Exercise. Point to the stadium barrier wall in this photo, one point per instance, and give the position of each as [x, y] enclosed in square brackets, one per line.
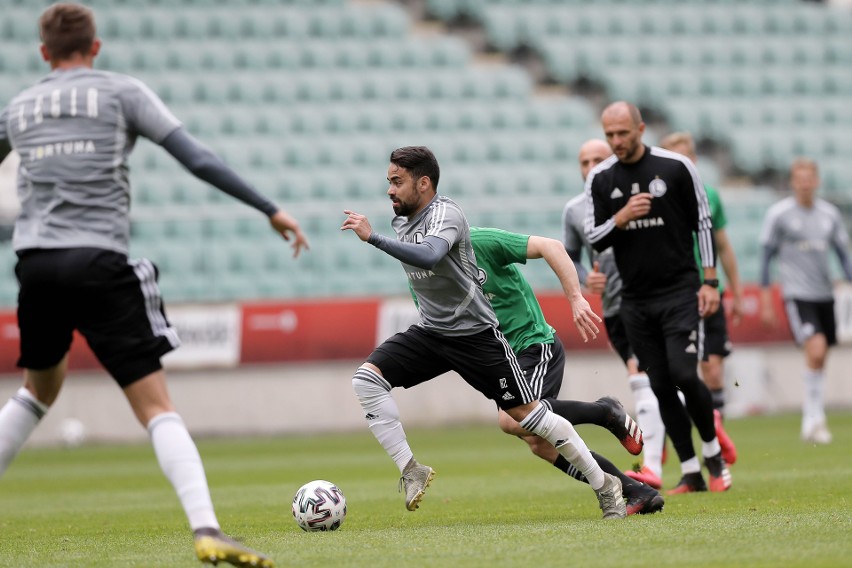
[285, 368]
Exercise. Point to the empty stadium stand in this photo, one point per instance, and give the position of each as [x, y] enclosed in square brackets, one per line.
[306, 98]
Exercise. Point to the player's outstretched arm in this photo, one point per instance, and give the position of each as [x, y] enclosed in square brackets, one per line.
[425, 254]
[204, 164]
[286, 225]
[553, 252]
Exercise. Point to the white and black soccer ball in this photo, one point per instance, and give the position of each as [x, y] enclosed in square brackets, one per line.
[319, 506]
[72, 433]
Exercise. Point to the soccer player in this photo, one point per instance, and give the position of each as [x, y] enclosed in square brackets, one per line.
[646, 202]
[604, 279]
[800, 230]
[541, 354]
[457, 331]
[74, 130]
[717, 344]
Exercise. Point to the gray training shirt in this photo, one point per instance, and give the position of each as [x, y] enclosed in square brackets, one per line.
[802, 239]
[575, 241]
[74, 131]
[449, 297]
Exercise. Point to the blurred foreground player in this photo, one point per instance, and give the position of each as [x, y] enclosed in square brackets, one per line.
[74, 131]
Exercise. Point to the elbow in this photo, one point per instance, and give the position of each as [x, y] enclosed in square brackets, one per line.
[203, 164]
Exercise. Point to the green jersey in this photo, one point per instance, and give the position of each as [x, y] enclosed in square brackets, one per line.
[717, 216]
[497, 254]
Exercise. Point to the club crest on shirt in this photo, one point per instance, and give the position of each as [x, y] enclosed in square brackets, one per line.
[657, 187]
[482, 276]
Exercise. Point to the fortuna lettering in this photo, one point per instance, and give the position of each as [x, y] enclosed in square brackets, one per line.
[62, 149]
[645, 223]
[420, 274]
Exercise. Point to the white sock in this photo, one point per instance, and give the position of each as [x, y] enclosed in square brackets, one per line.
[650, 421]
[567, 442]
[382, 414]
[18, 418]
[710, 449]
[182, 465]
[692, 465]
[813, 406]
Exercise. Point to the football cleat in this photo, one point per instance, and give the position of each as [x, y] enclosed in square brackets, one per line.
[729, 450]
[611, 499]
[818, 433]
[213, 546]
[646, 476]
[622, 425]
[643, 500]
[720, 475]
[415, 479]
[689, 483]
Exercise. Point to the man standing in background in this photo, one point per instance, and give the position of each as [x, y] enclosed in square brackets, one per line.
[800, 230]
[604, 279]
[717, 343]
[646, 203]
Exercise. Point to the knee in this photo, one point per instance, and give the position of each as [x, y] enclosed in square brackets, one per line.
[505, 422]
[683, 371]
[367, 383]
[518, 413]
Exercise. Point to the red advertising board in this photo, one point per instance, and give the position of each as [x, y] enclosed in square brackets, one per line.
[749, 331]
[309, 330]
[320, 330]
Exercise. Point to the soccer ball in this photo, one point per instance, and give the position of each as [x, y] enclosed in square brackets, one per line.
[319, 506]
[72, 432]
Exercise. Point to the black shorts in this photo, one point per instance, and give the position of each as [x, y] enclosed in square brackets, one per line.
[661, 330]
[113, 303]
[618, 337]
[544, 368]
[716, 340]
[484, 360]
[810, 318]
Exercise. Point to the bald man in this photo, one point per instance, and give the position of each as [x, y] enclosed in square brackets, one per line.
[646, 202]
[604, 279]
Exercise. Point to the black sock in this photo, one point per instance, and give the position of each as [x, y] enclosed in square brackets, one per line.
[565, 466]
[718, 399]
[577, 412]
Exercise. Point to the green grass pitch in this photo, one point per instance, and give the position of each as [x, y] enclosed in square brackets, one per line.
[491, 504]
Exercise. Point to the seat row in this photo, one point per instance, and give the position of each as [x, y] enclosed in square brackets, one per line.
[318, 119]
[567, 58]
[484, 84]
[451, 9]
[510, 27]
[346, 151]
[775, 147]
[152, 190]
[711, 117]
[294, 21]
[655, 87]
[282, 55]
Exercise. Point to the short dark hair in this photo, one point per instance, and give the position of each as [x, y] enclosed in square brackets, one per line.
[420, 161]
[66, 29]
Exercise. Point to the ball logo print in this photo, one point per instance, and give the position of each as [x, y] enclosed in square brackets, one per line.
[319, 506]
[657, 187]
